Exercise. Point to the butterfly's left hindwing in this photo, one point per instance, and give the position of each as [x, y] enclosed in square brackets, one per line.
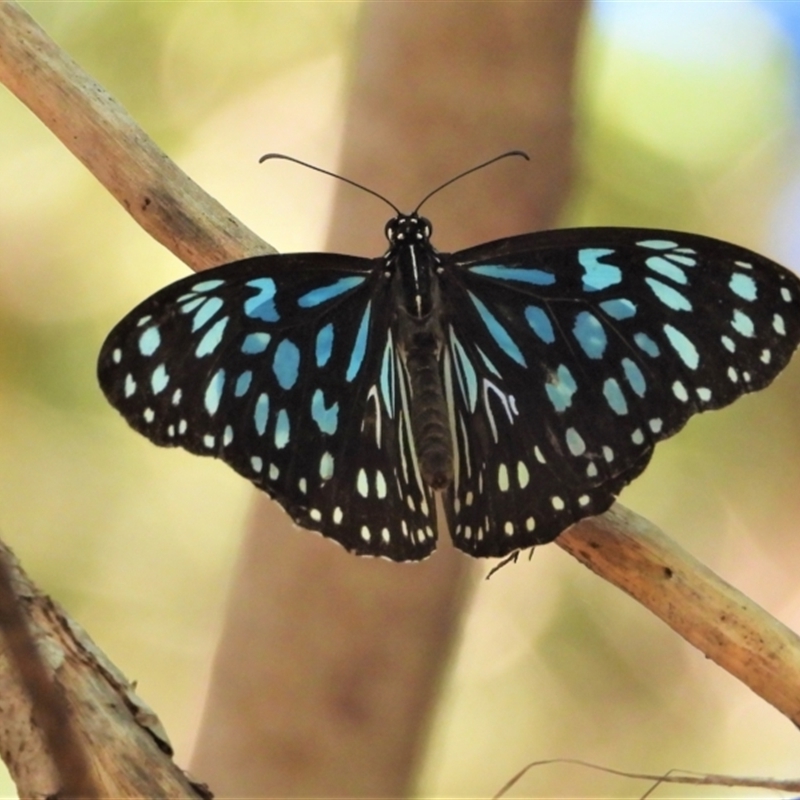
[285, 368]
[570, 353]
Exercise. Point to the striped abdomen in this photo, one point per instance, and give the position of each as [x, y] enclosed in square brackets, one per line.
[428, 413]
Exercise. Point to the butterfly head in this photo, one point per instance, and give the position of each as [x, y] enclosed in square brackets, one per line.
[408, 229]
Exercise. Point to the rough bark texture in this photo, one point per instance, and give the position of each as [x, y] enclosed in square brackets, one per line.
[126, 748]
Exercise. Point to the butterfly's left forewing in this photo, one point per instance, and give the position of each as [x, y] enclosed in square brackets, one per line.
[570, 353]
[285, 368]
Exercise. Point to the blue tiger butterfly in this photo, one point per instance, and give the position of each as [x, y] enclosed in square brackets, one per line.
[526, 379]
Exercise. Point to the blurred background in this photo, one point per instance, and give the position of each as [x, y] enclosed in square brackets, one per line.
[687, 119]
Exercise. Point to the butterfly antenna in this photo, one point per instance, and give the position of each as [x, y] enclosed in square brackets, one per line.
[334, 175]
[469, 172]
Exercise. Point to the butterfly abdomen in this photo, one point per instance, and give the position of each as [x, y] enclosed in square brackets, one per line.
[428, 412]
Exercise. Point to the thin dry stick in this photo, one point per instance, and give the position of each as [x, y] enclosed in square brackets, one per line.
[50, 709]
[685, 777]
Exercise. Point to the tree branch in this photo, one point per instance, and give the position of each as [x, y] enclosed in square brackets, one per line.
[99, 132]
[50, 710]
[733, 631]
[127, 749]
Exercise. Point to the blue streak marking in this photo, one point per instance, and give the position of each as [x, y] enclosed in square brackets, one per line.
[192, 304]
[255, 343]
[212, 338]
[214, 391]
[149, 341]
[744, 286]
[324, 345]
[327, 419]
[685, 261]
[644, 342]
[670, 297]
[682, 346]
[207, 286]
[657, 244]
[489, 365]
[634, 376]
[619, 308]
[667, 269]
[560, 388]
[498, 332]
[282, 429]
[589, 332]
[324, 293]
[614, 397]
[205, 312]
[537, 277]
[596, 275]
[360, 346]
[286, 364]
[387, 376]
[540, 323]
[467, 376]
[262, 305]
[743, 324]
[728, 343]
[160, 379]
[243, 383]
[261, 414]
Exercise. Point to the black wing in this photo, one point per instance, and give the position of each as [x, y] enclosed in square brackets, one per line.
[570, 353]
[284, 367]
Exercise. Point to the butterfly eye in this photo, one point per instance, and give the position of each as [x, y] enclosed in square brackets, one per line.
[427, 228]
[390, 230]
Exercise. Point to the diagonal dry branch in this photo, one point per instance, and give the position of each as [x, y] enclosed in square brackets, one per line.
[101, 135]
[620, 547]
[728, 627]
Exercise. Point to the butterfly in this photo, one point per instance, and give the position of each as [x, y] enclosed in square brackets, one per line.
[527, 379]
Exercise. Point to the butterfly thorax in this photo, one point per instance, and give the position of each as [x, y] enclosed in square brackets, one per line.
[417, 325]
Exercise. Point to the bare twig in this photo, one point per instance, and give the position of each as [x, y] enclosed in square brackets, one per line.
[159, 196]
[720, 621]
[673, 776]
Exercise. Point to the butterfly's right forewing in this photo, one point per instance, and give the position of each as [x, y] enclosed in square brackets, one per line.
[571, 353]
